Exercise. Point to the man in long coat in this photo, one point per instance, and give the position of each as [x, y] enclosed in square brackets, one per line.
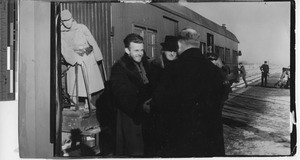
[80, 48]
[131, 91]
[191, 102]
[264, 73]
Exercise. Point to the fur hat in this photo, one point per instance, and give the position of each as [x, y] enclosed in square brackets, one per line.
[65, 15]
[170, 44]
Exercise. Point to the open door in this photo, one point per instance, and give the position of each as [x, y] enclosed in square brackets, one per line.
[55, 85]
[75, 130]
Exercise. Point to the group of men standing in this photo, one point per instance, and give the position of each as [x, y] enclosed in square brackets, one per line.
[187, 101]
[170, 110]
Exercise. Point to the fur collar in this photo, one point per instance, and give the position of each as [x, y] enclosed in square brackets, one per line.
[128, 64]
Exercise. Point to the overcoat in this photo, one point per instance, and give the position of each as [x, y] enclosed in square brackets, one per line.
[189, 99]
[265, 69]
[129, 93]
[76, 38]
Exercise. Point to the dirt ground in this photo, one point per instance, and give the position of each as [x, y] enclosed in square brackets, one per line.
[257, 120]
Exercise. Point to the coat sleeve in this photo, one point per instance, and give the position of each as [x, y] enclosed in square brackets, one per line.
[68, 53]
[91, 40]
[124, 92]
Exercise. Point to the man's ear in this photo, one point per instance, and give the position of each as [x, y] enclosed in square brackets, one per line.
[127, 51]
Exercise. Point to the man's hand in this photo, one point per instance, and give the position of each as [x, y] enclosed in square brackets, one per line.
[88, 50]
[146, 106]
[80, 52]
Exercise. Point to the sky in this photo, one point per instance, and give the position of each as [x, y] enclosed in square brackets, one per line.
[263, 28]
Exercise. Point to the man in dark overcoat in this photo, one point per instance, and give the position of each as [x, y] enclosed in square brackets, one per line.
[130, 91]
[191, 102]
[264, 68]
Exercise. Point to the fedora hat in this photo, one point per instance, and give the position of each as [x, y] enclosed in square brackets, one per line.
[170, 44]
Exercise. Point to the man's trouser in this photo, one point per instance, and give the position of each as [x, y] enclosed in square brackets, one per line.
[264, 80]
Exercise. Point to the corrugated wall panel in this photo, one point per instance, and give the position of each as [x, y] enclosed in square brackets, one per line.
[96, 16]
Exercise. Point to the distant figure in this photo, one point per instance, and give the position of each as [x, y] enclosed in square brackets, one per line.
[243, 74]
[282, 82]
[216, 60]
[264, 73]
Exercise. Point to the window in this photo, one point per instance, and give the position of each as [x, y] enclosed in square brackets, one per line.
[210, 43]
[217, 50]
[234, 56]
[151, 38]
[139, 30]
[227, 56]
[221, 53]
[203, 48]
[149, 35]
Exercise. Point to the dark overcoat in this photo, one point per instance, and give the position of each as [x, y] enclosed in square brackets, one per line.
[129, 94]
[189, 99]
[265, 69]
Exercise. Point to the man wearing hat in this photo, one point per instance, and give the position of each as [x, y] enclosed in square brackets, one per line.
[169, 49]
[167, 57]
[193, 102]
[156, 125]
[80, 49]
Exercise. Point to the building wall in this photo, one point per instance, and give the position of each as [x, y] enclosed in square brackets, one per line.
[34, 80]
[124, 16]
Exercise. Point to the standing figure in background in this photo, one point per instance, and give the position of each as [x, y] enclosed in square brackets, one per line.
[131, 93]
[243, 74]
[264, 73]
[216, 60]
[81, 52]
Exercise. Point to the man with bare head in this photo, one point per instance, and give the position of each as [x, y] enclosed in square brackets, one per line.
[131, 94]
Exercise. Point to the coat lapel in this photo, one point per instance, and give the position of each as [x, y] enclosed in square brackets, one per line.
[132, 72]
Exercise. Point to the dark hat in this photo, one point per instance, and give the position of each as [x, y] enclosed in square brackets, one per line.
[212, 56]
[170, 44]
